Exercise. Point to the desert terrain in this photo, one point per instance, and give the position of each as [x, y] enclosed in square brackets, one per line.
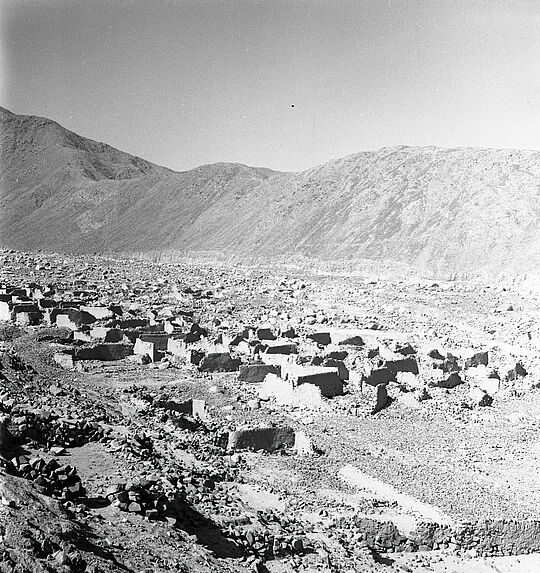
[205, 415]
[269, 286]
[447, 213]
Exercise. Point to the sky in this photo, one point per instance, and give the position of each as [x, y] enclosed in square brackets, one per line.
[274, 83]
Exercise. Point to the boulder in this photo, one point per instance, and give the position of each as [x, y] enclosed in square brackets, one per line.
[477, 359]
[479, 397]
[435, 354]
[422, 394]
[198, 409]
[373, 352]
[517, 372]
[451, 382]
[196, 333]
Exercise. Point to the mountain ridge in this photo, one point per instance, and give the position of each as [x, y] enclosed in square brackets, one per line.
[464, 211]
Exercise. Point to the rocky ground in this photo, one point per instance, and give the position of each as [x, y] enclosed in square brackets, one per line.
[107, 465]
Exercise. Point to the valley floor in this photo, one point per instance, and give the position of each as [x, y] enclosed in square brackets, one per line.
[443, 458]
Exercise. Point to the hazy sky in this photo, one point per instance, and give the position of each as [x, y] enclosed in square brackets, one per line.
[183, 83]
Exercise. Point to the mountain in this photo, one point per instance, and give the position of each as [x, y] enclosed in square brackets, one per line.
[446, 211]
[63, 192]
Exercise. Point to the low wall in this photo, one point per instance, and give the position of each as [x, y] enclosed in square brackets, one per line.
[485, 537]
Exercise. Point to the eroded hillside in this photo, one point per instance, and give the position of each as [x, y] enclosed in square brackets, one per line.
[449, 212]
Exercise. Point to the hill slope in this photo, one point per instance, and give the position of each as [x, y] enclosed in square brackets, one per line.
[464, 211]
[62, 192]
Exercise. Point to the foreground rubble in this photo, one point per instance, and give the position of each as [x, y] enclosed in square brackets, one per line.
[190, 418]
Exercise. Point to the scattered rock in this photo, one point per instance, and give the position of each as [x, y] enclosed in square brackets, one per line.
[479, 397]
[451, 382]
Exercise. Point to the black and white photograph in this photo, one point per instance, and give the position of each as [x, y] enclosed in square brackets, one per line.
[269, 286]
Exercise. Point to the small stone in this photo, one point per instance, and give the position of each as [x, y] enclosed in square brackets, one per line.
[8, 502]
[134, 507]
[117, 487]
[57, 451]
[151, 514]
[480, 398]
[56, 390]
[75, 488]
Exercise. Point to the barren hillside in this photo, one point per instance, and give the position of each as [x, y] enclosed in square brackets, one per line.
[448, 211]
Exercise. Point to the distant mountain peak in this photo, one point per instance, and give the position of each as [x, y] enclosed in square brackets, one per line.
[450, 212]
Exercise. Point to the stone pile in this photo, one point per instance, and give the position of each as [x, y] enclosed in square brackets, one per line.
[47, 428]
[138, 445]
[266, 535]
[271, 536]
[59, 481]
[143, 496]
